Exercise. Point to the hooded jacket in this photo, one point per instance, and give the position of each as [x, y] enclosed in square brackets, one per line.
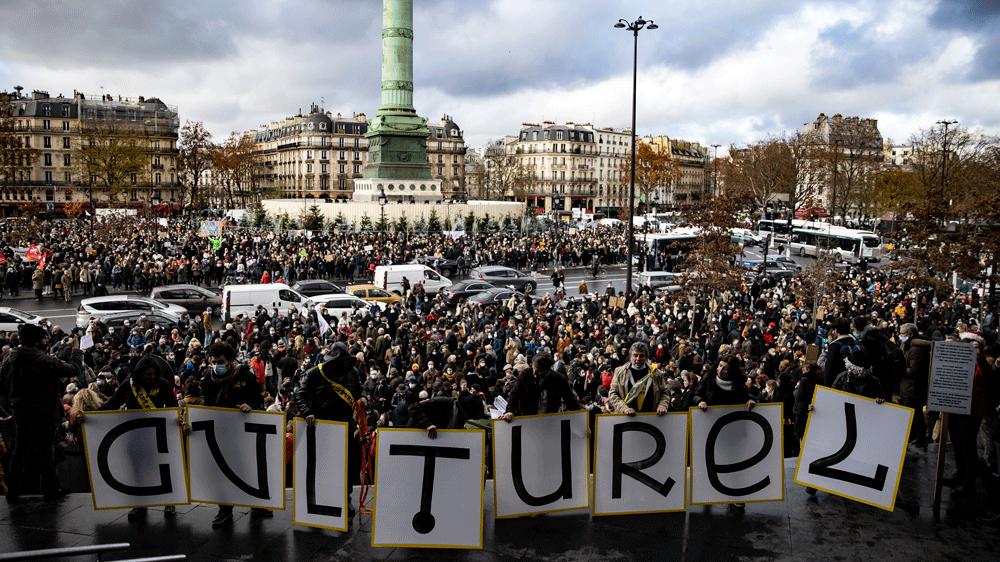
[162, 393]
[913, 386]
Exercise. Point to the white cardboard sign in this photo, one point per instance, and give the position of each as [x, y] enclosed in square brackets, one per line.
[135, 458]
[641, 464]
[540, 464]
[953, 365]
[236, 458]
[429, 492]
[319, 468]
[736, 454]
[854, 448]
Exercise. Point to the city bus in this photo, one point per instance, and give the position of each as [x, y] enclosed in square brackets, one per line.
[667, 249]
[779, 228]
[844, 244]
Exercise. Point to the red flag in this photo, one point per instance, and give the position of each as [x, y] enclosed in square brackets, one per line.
[33, 254]
[41, 262]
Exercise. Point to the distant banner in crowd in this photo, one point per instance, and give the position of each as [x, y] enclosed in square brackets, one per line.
[834, 459]
[211, 229]
[429, 492]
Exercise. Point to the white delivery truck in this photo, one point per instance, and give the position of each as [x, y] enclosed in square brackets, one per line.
[245, 299]
[390, 278]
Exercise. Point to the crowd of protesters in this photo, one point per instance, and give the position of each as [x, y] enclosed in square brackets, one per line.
[435, 364]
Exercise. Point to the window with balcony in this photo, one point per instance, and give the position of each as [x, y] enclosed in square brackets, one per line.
[48, 159]
[157, 179]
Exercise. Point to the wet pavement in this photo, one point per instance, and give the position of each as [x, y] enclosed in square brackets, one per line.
[799, 528]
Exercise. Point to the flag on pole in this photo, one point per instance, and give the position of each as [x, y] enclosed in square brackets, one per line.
[324, 326]
[33, 253]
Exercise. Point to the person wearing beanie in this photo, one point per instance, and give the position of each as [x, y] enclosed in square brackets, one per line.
[859, 378]
[36, 380]
[146, 388]
[329, 392]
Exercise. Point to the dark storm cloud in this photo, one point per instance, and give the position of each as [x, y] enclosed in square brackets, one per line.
[565, 43]
[97, 33]
[981, 18]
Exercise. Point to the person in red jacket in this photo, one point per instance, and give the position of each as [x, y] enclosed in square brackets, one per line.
[266, 277]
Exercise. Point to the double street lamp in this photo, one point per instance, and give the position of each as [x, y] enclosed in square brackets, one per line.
[634, 27]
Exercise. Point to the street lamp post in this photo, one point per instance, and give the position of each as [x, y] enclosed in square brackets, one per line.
[715, 171]
[634, 27]
[944, 157]
[382, 200]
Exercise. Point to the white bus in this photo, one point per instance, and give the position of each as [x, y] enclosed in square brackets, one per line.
[844, 244]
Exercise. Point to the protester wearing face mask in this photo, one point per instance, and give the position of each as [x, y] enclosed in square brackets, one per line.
[229, 384]
[913, 386]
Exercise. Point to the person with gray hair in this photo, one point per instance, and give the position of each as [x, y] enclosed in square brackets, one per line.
[913, 386]
[637, 387]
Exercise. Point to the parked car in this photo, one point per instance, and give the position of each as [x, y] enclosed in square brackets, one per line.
[746, 237]
[444, 266]
[465, 289]
[312, 287]
[244, 299]
[370, 292]
[501, 276]
[390, 278]
[97, 307]
[136, 318]
[12, 318]
[192, 297]
[338, 303]
[498, 295]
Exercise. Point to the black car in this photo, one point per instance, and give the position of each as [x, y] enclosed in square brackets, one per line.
[465, 289]
[444, 266]
[498, 295]
[502, 276]
[313, 287]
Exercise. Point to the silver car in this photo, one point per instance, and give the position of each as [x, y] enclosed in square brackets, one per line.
[98, 307]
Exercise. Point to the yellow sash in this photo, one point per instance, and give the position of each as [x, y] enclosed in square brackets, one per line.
[142, 397]
[341, 391]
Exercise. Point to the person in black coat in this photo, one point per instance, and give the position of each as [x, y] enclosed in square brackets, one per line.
[148, 386]
[229, 384]
[841, 346]
[537, 385]
[725, 388]
[329, 392]
[34, 380]
[446, 412]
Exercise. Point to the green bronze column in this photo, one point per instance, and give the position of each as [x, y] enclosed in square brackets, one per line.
[397, 136]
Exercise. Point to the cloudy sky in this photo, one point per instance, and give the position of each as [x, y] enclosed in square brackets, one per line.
[717, 71]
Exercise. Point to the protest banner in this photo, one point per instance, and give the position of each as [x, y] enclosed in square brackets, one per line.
[953, 365]
[236, 458]
[736, 454]
[445, 510]
[640, 463]
[320, 502]
[210, 229]
[834, 460]
[540, 464]
[134, 458]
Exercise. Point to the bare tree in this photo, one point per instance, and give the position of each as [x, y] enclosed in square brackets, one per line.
[195, 150]
[753, 174]
[236, 168]
[655, 169]
[708, 266]
[111, 156]
[503, 176]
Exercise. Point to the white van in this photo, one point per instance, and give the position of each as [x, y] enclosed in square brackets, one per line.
[390, 278]
[245, 299]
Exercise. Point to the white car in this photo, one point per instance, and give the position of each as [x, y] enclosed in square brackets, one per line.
[338, 303]
[12, 318]
[96, 307]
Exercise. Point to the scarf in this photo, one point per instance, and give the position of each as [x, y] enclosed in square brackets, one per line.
[724, 384]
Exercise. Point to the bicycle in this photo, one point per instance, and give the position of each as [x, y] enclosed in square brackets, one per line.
[599, 273]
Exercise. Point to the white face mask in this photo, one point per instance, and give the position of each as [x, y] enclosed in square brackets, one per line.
[903, 338]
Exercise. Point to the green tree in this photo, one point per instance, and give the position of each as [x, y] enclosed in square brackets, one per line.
[483, 224]
[312, 218]
[366, 223]
[401, 224]
[470, 222]
[420, 226]
[433, 222]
